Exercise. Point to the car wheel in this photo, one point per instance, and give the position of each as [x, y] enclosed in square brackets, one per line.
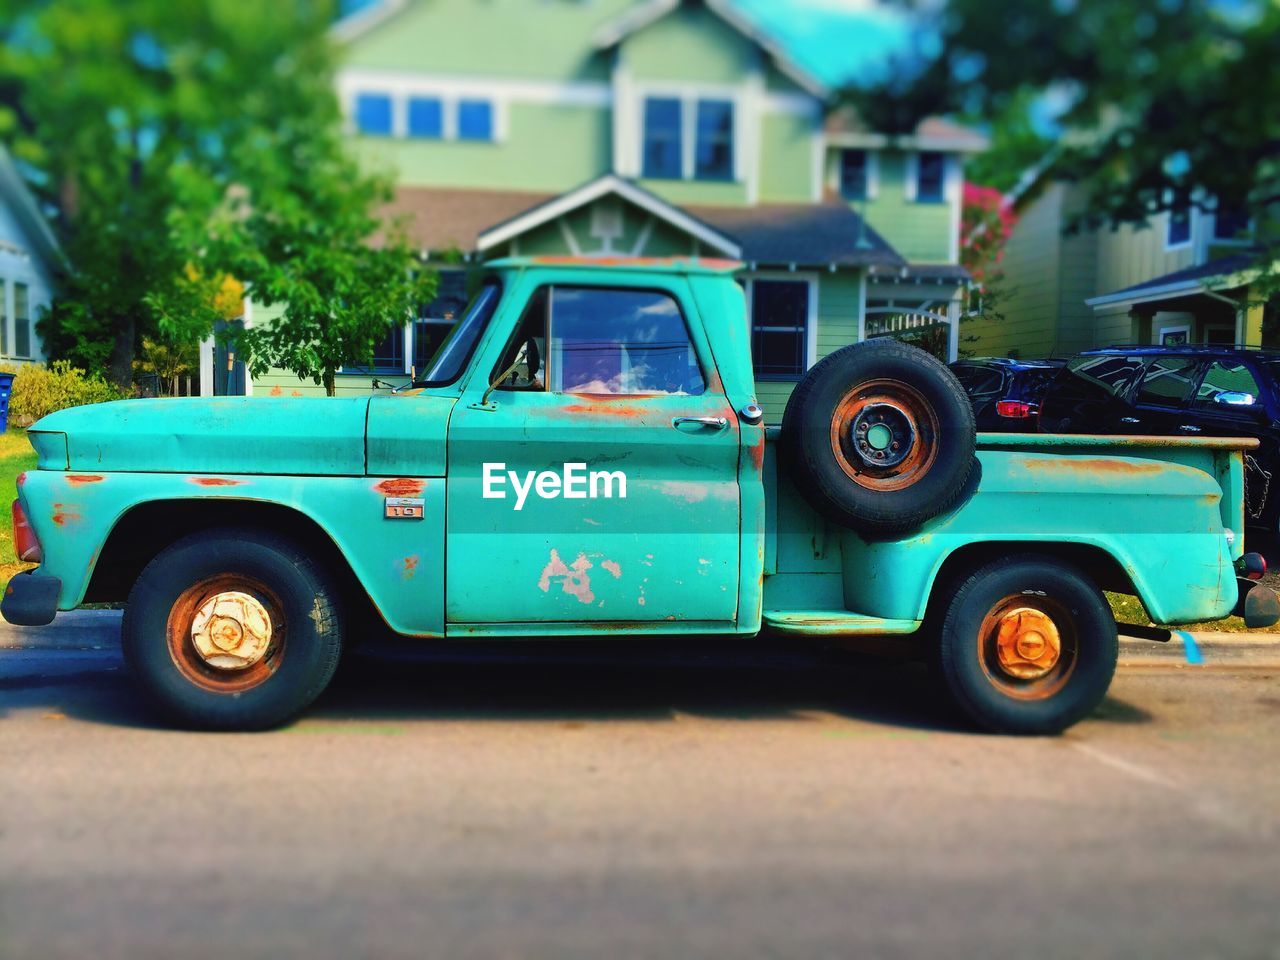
[233, 630]
[879, 437]
[1027, 645]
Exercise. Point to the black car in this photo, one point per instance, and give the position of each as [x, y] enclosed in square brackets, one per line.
[1178, 391]
[1005, 393]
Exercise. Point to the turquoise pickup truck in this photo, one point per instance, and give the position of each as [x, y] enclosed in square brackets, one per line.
[585, 457]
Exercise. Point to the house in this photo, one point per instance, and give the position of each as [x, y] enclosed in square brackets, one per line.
[29, 261]
[654, 128]
[1186, 277]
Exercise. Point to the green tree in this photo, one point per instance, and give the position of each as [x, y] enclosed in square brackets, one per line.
[194, 134]
[1161, 105]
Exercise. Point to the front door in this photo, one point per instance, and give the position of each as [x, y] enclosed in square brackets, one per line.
[599, 480]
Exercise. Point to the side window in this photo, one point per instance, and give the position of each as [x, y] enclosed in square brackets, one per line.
[620, 342]
[1229, 386]
[1167, 381]
[979, 381]
[1107, 375]
[523, 357]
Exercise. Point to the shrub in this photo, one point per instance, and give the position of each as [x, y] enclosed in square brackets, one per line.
[39, 390]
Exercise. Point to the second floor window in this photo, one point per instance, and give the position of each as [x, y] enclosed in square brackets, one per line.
[373, 114]
[713, 159]
[931, 174]
[475, 120]
[426, 117]
[1230, 223]
[1178, 232]
[663, 143]
[853, 174]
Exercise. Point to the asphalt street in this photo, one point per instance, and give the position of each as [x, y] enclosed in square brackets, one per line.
[744, 801]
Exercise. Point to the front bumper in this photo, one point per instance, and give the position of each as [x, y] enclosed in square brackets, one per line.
[31, 600]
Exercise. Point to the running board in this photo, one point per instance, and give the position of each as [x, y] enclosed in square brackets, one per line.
[834, 623]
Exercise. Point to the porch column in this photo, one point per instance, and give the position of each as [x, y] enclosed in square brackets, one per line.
[1249, 324]
[953, 331]
[206, 367]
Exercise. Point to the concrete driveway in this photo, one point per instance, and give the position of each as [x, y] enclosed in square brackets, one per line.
[739, 802]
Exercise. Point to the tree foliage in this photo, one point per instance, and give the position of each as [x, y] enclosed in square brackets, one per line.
[1160, 105]
[197, 135]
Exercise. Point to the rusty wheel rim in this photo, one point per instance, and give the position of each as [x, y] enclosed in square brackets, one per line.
[1028, 646]
[884, 435]
[227, 633]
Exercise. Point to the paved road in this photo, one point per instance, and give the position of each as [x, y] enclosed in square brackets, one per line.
[742, 804]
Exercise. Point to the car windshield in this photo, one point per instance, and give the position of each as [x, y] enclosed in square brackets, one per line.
[451, 359]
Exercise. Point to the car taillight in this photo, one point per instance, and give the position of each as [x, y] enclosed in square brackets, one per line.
[1015, 409]
[25, 544]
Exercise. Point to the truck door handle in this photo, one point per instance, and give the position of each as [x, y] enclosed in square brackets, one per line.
[1188, 428]
[1129, 420]
[718, 422]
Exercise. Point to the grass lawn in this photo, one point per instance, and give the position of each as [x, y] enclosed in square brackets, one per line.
[16, 455]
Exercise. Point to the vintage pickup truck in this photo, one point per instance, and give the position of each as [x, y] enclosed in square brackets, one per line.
[585, 457]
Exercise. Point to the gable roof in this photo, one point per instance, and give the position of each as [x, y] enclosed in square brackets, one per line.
[647, 12]
[1224, 273]
[810, 235]
[843, 127]
[15, 192]
[593, 190]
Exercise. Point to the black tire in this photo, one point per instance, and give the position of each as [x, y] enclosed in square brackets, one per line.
[1002, 692]
[914, 403]
[294, 663]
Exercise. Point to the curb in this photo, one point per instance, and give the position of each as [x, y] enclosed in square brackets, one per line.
[1261, 650]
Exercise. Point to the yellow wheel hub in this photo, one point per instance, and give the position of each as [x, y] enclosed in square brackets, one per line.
[231, 631]
[1027, 643]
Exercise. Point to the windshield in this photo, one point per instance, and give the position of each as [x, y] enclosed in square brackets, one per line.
[451, 359]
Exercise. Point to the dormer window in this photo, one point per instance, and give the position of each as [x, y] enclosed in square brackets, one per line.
[662, 138]
[1231, 223]
[713, 159]
[1178, 230]
[688, 138]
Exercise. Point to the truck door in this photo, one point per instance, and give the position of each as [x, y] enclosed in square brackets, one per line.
[598, 480]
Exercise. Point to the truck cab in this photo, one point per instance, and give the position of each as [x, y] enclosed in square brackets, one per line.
[585, 457]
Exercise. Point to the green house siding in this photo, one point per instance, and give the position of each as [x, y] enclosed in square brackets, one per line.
[490, 39]
[547, 147]
[921, 232]
[691, 46]
[786, 158]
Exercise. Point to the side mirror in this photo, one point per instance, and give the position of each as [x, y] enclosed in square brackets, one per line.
[1233, 398]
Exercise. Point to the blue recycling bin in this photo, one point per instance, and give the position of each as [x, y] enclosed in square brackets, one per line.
[6, 385]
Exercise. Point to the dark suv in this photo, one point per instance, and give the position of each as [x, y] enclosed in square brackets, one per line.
[1182, 391]
[1005, 393]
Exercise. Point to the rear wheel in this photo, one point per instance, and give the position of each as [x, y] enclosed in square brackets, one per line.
[232, 630]
[1027, 645]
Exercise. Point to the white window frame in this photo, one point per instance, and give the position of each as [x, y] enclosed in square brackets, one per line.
[1177, 326]
[1230, 328]
[950, 178]
[401, 90]
[811, 318]
[689, 95]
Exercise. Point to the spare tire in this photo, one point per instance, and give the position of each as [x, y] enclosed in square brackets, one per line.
[879, 436]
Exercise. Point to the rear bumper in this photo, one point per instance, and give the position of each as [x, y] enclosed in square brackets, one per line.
[31, 601]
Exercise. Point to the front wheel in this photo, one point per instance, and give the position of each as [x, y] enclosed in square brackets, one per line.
[1028, 645]
[232, 630]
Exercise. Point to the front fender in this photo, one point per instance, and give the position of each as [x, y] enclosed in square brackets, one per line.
[1160, 521]
[399, 562]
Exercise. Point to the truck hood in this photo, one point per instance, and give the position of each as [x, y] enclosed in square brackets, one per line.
[259, 435]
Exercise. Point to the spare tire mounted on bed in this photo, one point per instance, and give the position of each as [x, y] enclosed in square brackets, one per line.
[879, 436]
